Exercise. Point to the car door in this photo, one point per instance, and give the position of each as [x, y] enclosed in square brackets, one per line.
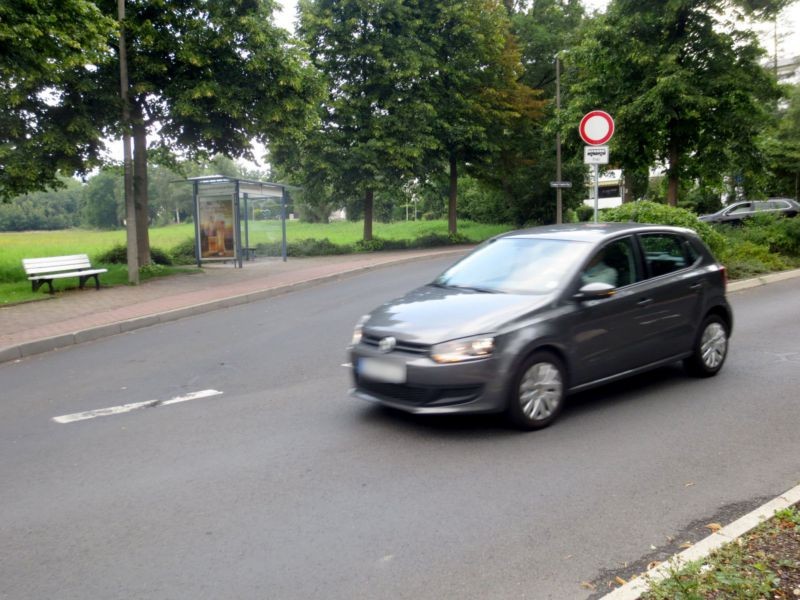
[671, 295]
[605, 334]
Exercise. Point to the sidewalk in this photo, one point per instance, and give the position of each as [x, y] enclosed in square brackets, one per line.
[83, 315]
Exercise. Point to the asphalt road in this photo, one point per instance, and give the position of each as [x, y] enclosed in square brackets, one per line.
[285, 487]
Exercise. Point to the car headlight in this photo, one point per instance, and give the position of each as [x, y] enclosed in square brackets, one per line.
[462, 350]
[359, 330]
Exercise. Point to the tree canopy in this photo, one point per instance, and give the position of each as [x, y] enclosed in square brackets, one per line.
[685, 87]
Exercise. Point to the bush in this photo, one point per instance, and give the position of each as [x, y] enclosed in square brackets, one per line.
[584, 213]
[663, 214]
[744, 258]
[184, 253]
[118, 255]
[377, 244]
[780, 234]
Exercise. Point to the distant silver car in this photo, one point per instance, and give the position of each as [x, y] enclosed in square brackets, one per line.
[735, 213]
[533, 315]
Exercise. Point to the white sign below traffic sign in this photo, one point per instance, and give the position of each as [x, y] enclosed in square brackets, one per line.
[595, 155]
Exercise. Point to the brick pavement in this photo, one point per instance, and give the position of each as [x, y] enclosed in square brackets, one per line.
[82, 315]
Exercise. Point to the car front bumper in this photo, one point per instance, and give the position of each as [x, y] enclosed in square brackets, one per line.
[415, 383]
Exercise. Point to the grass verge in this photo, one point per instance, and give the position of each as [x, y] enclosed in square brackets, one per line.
[765, 563]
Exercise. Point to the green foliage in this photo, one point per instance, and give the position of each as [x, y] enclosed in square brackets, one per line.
[779, 234]
[781, 145]
[662, 214]
[584, 212]
[46, 123]
[684, 83]
[119, 255]
[184, 253]
[745, 258]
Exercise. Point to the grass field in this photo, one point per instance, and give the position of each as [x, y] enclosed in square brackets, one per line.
[14, 246]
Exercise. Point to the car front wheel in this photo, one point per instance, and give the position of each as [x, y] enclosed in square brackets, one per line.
[710, 348]
[537, 395]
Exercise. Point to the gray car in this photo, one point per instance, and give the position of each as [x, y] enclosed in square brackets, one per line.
[531, 316]
[736, 213]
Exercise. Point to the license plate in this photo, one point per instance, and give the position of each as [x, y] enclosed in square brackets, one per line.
[382, 370]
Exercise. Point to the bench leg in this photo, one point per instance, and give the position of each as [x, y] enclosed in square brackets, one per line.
[35, 285]
[83, 279]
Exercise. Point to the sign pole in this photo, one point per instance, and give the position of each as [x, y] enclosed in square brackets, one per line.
[596, 190]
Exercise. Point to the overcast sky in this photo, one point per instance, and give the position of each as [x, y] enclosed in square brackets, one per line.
[788, 25]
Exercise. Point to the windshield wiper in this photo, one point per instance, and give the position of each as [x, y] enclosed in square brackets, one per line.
[476, 288]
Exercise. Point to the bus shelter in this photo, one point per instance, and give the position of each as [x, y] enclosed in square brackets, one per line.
[223, 210]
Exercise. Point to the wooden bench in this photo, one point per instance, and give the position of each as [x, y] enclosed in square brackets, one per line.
[44, 270]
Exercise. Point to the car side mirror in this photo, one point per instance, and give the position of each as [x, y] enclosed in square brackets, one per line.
[595, 291]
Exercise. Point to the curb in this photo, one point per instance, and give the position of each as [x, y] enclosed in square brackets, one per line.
[32, 348]
[641, 584]
[746, 284]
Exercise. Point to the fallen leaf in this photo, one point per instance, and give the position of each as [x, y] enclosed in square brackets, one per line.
[653, 564]
[620, 580]
[685, 545]
[588, 586]
[689, 484]
[715, 527]
[652, 547]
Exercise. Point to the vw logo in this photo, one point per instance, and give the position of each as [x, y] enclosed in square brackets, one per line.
[387, 344]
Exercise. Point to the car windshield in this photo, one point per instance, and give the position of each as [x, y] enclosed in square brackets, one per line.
[515, 266]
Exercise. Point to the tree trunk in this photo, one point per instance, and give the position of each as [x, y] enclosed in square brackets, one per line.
[627, 187]
[130, 207]
[140, 190]
[369, 198]
[451, 204]
[672, 190]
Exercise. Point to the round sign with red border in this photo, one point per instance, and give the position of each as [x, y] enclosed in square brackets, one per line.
[596, 127]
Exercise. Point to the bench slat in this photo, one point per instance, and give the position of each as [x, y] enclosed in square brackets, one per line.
[52, 264]
[72, 274]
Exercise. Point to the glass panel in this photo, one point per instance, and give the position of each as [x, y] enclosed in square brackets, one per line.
[516, 266]
[613, 264]
[664, 253]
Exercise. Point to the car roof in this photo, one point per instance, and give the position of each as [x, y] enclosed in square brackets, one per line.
[591, 232]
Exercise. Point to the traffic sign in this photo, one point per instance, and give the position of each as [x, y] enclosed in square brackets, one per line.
[595, 155]
[560, 184]
[596, 127]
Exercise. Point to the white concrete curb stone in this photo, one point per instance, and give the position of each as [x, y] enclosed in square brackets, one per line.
[639, 585]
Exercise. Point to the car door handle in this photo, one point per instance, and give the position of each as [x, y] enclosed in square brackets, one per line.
[644, 301]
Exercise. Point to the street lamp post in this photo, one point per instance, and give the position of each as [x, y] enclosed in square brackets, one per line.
[559, 208]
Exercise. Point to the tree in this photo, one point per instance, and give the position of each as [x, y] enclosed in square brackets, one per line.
[683, 83]
[206, 77]
[526, 161]
[782, 148]
[373, 128]
[46, 126]
[102, 205]
[475, 90]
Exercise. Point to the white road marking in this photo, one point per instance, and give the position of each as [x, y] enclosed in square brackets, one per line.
[124, 408]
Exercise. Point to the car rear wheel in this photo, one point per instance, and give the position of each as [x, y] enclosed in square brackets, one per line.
[537, 395]
[710, 348]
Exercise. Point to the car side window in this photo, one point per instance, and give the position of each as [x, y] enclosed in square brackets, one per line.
[614, 263]
[664, 253]
[742, 208]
